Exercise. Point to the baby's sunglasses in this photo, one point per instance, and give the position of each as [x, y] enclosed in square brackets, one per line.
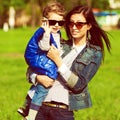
[79, 25]
[53, 22]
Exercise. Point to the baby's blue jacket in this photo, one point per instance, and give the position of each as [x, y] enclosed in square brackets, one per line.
[37, 59]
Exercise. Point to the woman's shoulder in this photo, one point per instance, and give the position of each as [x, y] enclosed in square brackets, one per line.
[94, 50]
[95, 47]
[66, 42]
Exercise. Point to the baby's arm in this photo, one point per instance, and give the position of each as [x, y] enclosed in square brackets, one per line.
[44, 43]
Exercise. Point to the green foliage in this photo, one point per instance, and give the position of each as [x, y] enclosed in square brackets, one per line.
[104, 88]
[70, 4]
[101, 4]
[5, 4]
[18, 4]
[34, 7]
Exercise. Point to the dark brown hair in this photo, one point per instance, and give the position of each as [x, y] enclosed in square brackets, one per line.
[98, 36]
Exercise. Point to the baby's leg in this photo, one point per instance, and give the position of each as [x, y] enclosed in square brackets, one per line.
[32, 114]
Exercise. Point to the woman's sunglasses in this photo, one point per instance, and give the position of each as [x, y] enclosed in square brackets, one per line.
[79, 25]
[53, 22]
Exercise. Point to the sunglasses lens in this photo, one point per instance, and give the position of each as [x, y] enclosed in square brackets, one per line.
[71, 24]
[53, 22]
[61, 23]
[79, 25]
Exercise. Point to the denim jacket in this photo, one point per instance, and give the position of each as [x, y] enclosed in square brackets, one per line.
[83, 69]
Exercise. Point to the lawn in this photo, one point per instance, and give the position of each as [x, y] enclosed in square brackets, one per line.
[104, 87]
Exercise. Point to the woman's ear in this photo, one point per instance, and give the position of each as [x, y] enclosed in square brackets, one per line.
[89, 26]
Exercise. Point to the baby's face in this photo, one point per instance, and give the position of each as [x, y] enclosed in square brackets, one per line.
[55, 22]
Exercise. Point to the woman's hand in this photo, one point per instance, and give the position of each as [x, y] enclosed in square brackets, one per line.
[44, 80]
[54, 55]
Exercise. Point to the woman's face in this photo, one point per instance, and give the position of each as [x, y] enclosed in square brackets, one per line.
[55, 22]
[78, 26]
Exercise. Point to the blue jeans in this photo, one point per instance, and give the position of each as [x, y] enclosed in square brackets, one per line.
[39, 96]
[53, 113]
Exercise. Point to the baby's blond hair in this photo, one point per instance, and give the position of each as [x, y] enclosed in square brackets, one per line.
[55, 7]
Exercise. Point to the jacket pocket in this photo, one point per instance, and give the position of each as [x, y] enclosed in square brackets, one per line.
[86, 58]
[79, 101]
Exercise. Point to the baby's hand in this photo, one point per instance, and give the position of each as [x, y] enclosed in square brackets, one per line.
[45, 26]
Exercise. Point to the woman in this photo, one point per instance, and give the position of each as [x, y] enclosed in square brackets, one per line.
[83, 54]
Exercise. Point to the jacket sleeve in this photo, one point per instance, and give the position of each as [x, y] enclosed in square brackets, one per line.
[32, 50]
[84, 70]
[44, 43]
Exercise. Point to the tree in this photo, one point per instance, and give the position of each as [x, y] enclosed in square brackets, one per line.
[88, 2]
[35, 7]
[101, 4]
[4, 8]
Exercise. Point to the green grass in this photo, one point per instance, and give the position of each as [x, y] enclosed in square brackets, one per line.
[104, 87]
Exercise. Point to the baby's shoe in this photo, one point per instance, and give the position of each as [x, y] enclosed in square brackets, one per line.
[22, 111]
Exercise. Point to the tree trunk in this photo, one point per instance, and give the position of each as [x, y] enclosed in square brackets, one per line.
[88, 3]
[33, 13]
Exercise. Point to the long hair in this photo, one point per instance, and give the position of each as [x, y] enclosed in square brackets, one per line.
[98, 36]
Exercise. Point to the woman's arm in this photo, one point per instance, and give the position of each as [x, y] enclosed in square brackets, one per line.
[82, 71]
[44, 80]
